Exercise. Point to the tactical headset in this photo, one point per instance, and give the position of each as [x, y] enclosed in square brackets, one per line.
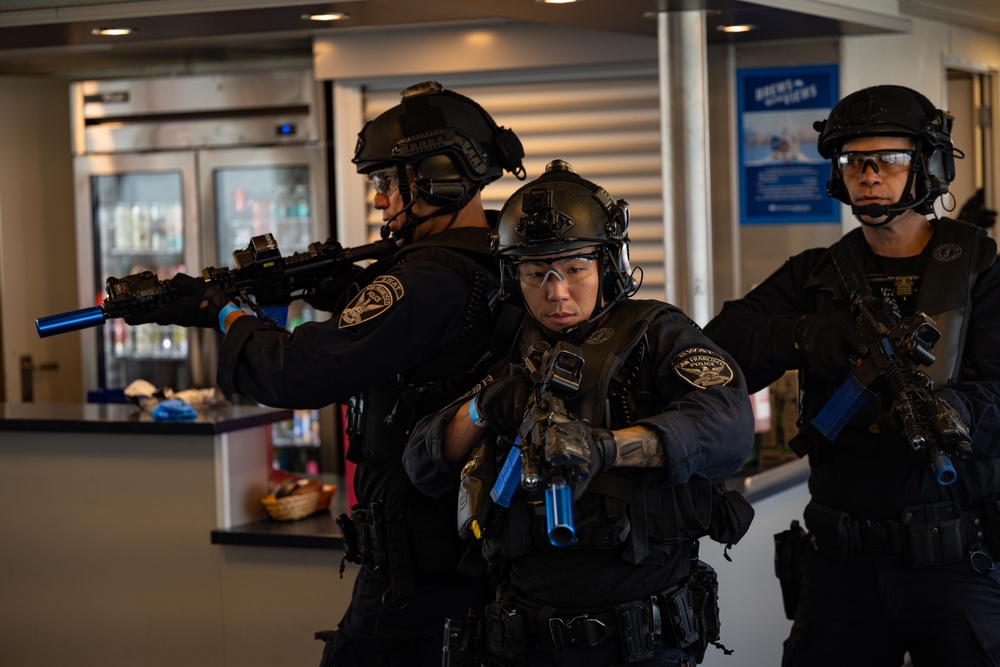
[894, 111]
[451, 145]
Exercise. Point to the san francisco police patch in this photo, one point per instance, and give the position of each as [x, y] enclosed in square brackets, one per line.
[702, 368]
[375, 299]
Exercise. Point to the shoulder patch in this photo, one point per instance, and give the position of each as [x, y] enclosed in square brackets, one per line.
[376, 298]
[702, 368]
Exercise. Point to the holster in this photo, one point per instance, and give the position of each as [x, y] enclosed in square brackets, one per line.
[463, 642]
[506, 631]
[694, 613]
[790, 547]
[474, 503]
[402, 545]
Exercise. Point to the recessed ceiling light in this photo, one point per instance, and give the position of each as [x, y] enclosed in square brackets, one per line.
[330, 16]
[745, 27]
[556, 2]
[112, 32]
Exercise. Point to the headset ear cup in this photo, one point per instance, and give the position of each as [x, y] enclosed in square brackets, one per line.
[835, 187]
[439, 180]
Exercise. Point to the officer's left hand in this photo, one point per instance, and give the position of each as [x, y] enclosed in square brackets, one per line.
[198, 306]
[603, 452]
[328, 294]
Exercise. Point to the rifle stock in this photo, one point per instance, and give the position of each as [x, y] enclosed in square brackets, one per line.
[262, 276]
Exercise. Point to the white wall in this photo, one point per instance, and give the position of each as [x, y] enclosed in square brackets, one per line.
[37, 238]
[751, 612]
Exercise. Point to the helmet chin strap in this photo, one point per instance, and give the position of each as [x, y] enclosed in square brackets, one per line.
[405, 232]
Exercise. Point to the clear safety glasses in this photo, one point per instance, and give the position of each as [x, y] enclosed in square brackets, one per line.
[535, 272]
[385, 181]
[854, 163]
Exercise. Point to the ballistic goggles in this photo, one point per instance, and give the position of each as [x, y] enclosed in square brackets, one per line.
[385, 181]
[534, 272]
[887, 162]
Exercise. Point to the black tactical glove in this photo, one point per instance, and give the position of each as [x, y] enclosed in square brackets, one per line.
[198, 307]
[827, 345]
[502, 404]
[328, 294]
[603, 452]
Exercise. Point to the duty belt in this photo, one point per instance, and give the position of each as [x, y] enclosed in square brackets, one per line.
[670, 618]
[925, 534]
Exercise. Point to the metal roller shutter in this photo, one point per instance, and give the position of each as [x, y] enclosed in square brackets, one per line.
[606, 127]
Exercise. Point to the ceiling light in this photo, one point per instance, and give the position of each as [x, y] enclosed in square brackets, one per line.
[112, 32]
[331, 16]
[556, 2]
[745, 27]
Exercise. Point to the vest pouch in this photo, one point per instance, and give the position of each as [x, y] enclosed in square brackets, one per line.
[831, 530]
[385, 421]
[932, 534]
[731, 515]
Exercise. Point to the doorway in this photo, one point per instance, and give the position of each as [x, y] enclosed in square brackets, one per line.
[969, 98]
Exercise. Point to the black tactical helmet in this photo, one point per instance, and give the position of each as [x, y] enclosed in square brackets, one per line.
[894, 111]
[560, 211]
[430, 121]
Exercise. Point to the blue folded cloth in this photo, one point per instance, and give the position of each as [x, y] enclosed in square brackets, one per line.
[174, 409]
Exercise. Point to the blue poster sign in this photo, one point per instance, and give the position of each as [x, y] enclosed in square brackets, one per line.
[782, 176]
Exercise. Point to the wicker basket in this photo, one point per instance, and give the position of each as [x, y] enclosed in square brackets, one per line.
[305, 501]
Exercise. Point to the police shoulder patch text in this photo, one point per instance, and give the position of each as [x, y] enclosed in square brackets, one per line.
[702, 368]
[374, 299]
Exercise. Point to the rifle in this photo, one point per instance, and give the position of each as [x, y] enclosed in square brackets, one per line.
[552, 451]
[894, 349]
[262, 278]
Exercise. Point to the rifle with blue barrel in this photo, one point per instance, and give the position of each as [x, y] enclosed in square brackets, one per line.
[552, 452]
[894, 349]
[262, 278]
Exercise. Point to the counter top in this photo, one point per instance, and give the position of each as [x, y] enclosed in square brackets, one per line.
[125, 418]
[320, 531]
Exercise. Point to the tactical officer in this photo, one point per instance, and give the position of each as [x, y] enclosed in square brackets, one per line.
[657, 414]
[903, 512]
[405, 342]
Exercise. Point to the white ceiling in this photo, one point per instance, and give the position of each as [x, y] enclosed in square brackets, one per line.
[53, 37]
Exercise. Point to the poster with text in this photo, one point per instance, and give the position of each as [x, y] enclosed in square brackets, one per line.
[782, 176]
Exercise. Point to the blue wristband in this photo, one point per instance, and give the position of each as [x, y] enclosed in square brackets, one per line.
[224, 313]
[474, 414]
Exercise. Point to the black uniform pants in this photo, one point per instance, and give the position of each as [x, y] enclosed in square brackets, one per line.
[871, 609]
[372, 635]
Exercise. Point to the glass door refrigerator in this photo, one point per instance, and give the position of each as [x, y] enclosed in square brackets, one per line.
[248, 192]
[174, 174]
[139, 213]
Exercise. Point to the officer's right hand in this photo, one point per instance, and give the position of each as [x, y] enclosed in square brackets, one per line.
[827, 345]
[198, 306]
[502, 404]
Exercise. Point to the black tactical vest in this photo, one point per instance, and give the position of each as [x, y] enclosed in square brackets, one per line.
[625, 505]
[958, 252]
[381, 419]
